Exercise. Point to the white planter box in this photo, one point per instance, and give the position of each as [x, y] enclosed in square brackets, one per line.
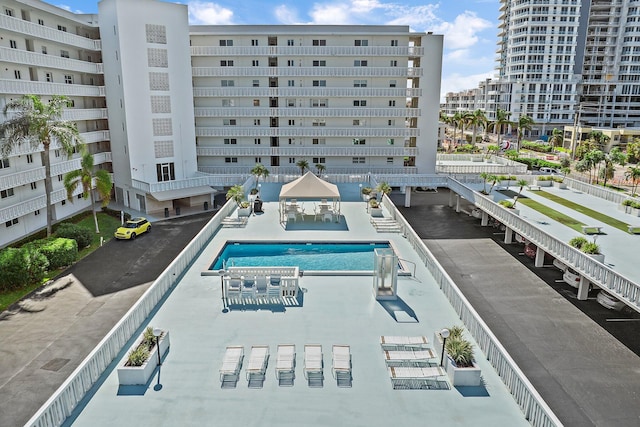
[244, 212]
[137, 375]
[375, 212]
[624, 208]
[560, 185]
[542, 183]
[471, 377]
[635, 211]
[598, 257]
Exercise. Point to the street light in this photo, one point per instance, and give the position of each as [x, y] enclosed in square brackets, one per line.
[221, 273]
[444, 333]
[156, 333]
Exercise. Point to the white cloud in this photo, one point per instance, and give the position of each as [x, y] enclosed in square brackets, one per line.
[416, 17]
[331, 14]
[463, 31]
[456, 82]
[207, 13]
[286, 15]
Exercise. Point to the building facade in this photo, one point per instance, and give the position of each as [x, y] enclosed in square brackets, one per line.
[177, 112]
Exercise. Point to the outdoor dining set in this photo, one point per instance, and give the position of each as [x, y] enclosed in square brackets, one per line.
[322, 211]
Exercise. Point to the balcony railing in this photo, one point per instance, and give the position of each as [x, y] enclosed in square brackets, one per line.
[20, 87]
[315, 51]
[28, 206]
[88, 137]
[299, 92]
[78, 114]
[306, 71]
[275, 171]
[298, 131]
[48, 33]
[306, 112]
[49, 61]
[316, 150]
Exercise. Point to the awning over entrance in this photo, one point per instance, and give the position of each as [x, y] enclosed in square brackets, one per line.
[163, 196]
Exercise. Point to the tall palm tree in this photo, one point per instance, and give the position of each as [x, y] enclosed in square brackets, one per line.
[35, 122]
[502, 119]
[456, 121]
[320, 168]
[303, 165]
[477, 119]
[556, 138]
[524, 123]
[633, 174]
[521, 183]
[259, 170]
[85, 177]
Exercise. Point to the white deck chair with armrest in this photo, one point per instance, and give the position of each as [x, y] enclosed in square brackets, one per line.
[233, 286]
[257, 365]
[273, 286]
[410, 357]
[231, 364]
[313, 365]
[248, 290]
[341, 356]
[285, 364]
[261, 286]
[417, 378]
[403, 342]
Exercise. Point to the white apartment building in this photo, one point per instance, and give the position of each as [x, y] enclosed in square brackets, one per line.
[178, 112]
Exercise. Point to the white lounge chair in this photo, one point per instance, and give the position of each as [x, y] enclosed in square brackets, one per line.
[403, 342]
[273, 287]
[409, 357]
[285, 364]
[262, 282]
[291, 216]
[231, 364]
[257, 365]
[313, 365]
[248, 290]
[417, 378]
[341, 356]
[233, 286]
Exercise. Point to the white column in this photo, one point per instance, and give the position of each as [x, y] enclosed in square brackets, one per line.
[484, 221]
[451, 195]
[539, 258]
[583, 288]
[407, 197]
[508, 236]
[457, 203]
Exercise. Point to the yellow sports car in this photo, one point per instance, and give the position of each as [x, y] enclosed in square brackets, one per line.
[132, 228]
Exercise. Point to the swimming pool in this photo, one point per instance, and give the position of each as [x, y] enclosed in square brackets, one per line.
[314, 256]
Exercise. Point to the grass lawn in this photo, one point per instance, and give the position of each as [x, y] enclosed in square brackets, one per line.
[586, 211]
[552, 213]
[107, 225]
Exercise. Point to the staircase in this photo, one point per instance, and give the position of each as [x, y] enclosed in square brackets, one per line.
[386, 225]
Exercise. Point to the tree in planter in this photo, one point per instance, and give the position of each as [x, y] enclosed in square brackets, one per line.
[507, 204]
[85, 177]
[383, 188]
[524, 123]
[578, 242]
[521, 183]
[494, 180]
[259, 170]
[485, 176]
[35, 122]
[320, 168]
[590, 248]
[236, 193]
[460, 351]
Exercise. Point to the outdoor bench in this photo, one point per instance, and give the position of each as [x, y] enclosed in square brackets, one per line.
[591, 229]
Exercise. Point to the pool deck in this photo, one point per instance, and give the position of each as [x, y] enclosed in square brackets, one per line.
[331, 310]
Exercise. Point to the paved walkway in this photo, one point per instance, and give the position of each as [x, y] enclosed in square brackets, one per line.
[585, 375]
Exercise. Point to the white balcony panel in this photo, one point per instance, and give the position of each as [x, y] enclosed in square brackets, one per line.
[32, 205]
[274, 171]
[306, 72]
[316, 150]
[299, 131]
[88, 137]
[181, 184]
[78, 114]
[20, 87]
[315, 51]
[299, 92]
[49, 61]
[97, 136]
[306, 112]
[47, 33]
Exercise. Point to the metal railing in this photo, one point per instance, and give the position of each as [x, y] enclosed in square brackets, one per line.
[62, 403]
[303, 92]
[535, 409]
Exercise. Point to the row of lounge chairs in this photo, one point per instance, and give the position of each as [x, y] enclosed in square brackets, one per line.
[411, 363]
[285, 365]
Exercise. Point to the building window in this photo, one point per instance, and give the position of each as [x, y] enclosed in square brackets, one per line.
[60, 178]
[391, 122]
[361, 43]
[6, 193]
[394, 42]
[8, 12]
[357, 160]
[393, 63]
[226, 42]
[392, 83]
[256, 122]
[79, 196]
[256, 102]
[292, 122]
[9, 223]
[4, 163]
[226, 63]
[291, 83]
[359, 83]
[230, 141]
[62, 28]
[318, 141]
[392, 103]
[231, 160]
[360, 103]
[48, 77]
[390, 141]
[40, 22]
[292, 160]
[37, 212]
[256, 83]
[359, 141]
[29, 158]
[17, 74]
[360, 62]
[356, 122]
[317, 160]
[319, 103]
[165, 172]
[319, 42]
[254, 42]
[291, 102]
[228, 83]
[318, 122]
[68, 79]
[64, 202]
[320, 83]
[255, 63]
[44, 50]
[320, 63]
[258, 159]
[228, 103]
[228, 122]
[64, 53]
[389, 160]
[34, 185]
[13, 44]
[290, 42]
[257, 141]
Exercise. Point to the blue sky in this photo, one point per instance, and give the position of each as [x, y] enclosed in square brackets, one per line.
[469, 26]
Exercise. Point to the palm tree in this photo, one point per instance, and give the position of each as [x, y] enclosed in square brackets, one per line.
[383, 188]
[85, 177]
[556, 138]
[236, 193]
[303, 165]
[521, 183]
[524, 123]
[32, 121]
[320, 168]
[259, 170]
[485, 176]
[502, 119]
[494, 180]
[633, 173]
[456, 120]
[477, 119]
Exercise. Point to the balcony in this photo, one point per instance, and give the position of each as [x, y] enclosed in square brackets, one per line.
[306, 72]
[314, 51]
[49, 61]
[87, 137]
[28, 206]
[329, 92]
[306, 112]
[239, 171]
[47, 33]
[299, 131]
[79, 114]
[307, 151]
[20, 87]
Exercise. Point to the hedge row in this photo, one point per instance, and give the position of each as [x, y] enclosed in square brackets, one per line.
[537, 163]
[541, 148]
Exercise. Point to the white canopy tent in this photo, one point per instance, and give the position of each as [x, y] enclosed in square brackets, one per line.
[308, 187]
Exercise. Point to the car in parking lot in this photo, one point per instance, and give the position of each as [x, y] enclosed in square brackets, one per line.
[609, 301]
[551, 171]
[559, 265]
[571, 277]
[133, 228]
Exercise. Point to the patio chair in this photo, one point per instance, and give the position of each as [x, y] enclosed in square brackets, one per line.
[273, 286]
[285, 364]
[313, 365]
[233, 286]
[262, 282]
[231, 364]
[410, 357]
[327, 215]
[257, 365]
[248, 290]
[417, 378]
[403, 342]
[291, 216]
[341, 357]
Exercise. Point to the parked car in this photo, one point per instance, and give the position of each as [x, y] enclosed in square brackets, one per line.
[551, 171]
[559, 265]
[609, 301]
[133, 228]
[530, 250]
[571, 277]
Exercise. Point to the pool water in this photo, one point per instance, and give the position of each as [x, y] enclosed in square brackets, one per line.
[306, 256]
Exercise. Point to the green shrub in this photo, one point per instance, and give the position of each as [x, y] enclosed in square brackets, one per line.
[590, 248]
[627, 202]
[578, 242]
[366, 190]
[461, 351]
[138, 356]
[20, 267]
[116, 214]
[148, 339]
[455, 332]
[540, 148]
[82, 235]
[506, 203]
[59, 251]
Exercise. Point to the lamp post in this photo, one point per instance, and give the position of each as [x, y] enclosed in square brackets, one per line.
[444, 333]
[221, 273]
[156, 333]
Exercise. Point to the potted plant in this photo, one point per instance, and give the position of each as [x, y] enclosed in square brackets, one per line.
[142, 358]
[366, 193]
[558, 182]
[244, 209]
[236, 193]
[375, 210]
[542, 181]
[587, 247]
[509, 204]
[383, 188]
[625, 206]
[459, 362]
